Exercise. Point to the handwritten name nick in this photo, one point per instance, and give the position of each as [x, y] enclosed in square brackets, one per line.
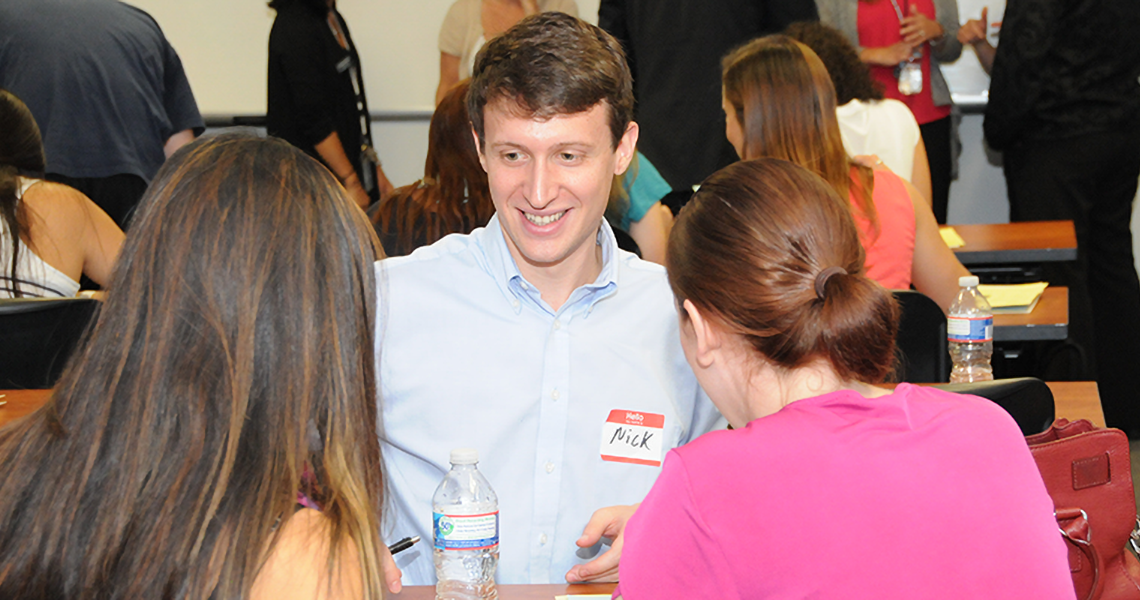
[636, 439]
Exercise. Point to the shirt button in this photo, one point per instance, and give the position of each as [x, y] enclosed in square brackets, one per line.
[554, 395]
[515, 303]
[542, 539]
[524, 286]
[549, 467]
[557, 324]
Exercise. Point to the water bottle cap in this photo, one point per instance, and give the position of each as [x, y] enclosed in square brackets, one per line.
[464, 456]
[968, 281]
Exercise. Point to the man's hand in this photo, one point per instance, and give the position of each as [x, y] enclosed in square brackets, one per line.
[974, 31]
[606, 522]
[391, 572]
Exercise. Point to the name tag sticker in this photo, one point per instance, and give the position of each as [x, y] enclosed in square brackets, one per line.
[633, 437]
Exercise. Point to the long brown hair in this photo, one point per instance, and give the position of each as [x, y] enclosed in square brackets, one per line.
[785, 104]
[21, 152]
[453, 196]
[239, 320]
[748, 249]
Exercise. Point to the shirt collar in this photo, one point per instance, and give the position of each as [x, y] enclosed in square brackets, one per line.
[517, 291]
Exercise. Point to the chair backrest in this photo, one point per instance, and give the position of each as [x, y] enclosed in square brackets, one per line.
[37, 336]
[921, 355]
[1027, 399]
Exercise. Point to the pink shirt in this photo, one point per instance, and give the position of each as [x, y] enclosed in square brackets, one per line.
[879, 26]
[918, 494]
[890, 253]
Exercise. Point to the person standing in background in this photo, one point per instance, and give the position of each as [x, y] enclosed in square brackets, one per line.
[895, 37]
[674, 49]
[1064, 109]
[107, 90]
[316, 95]
[470, 23]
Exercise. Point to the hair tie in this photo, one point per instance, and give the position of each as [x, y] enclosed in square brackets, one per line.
[824, 275]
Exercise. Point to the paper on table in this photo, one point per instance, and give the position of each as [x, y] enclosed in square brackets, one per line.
[951, 237]
[1013, 298]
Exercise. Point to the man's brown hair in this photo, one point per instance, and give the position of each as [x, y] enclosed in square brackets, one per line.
[552, 64]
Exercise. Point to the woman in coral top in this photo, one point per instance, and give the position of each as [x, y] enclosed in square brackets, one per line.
[779, 102]
[828, 487]
[894, 36]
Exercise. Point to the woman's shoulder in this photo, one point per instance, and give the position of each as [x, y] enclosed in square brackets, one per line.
[298, 567]
[569, 7]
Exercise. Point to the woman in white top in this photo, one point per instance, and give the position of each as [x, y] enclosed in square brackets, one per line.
[470, 23]
[868, 122]
[50, 234]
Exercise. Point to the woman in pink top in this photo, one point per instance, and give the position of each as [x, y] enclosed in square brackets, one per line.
[828, 487]
[779, 102]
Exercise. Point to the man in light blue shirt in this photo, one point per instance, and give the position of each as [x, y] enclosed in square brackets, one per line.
[535, 340]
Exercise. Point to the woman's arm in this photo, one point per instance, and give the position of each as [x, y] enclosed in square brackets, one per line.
[920, 172]
[651, 232]
[448, 75]
[332, 153]
[935, 270]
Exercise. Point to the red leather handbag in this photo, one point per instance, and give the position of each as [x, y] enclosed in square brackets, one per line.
[1087, 472]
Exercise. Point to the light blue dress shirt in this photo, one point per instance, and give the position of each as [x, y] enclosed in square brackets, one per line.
[471, 356]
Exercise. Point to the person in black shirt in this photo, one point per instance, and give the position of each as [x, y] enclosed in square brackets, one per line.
[1064, 107]
[316, 95]
[674, 49]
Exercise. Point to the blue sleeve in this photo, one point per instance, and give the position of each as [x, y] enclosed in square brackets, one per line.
[647, 189]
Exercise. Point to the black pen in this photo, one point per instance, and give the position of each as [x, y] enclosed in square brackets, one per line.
[403, 544]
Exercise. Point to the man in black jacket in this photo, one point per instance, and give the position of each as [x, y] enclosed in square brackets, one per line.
[1065, 108]
[674, 49]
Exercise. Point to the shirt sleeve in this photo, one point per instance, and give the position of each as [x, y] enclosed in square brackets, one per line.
[177, 97]
[612, 18]
[1027, 34]
[647, 189]
[946, 48]
[454, 27]
[297, 46]
[669, 550]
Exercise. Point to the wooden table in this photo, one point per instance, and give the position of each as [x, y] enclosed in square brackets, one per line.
[517, 592]
[1048, 321]
[1077, 400]
[1026, 242]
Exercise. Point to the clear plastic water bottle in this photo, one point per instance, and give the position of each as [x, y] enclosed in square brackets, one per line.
[970, 333]
[465, 522]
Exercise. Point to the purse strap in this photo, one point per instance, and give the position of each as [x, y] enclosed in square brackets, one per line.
[1074, 526]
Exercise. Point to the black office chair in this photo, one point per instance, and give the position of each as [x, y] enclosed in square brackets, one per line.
[37, 336]
[921, 355]
[1027, 399]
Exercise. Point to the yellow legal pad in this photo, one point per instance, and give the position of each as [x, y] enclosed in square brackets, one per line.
[951, 237]
[1013, 298]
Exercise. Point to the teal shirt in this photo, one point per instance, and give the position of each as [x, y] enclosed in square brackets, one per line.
[645, 190]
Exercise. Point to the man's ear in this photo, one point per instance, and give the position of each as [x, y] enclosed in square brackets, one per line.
[626, 148]
[708, 336]
[479, 148]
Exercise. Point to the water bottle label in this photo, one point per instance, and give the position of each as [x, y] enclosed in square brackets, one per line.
[466, 532]
[970, 329]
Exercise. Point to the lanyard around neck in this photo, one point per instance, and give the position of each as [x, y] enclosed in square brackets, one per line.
[898, 11]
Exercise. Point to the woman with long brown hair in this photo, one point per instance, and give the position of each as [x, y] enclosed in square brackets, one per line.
[779, 102]
[233, 355]
[452, 197]
[50, 234]
[829, 486]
